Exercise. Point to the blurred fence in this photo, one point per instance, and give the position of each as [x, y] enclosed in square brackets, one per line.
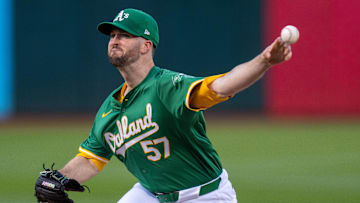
[323, 76]
[61, 62]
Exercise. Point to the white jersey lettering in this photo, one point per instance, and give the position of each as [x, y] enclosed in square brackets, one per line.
[127, 130]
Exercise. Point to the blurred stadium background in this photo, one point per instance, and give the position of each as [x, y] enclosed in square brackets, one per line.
[292, 137]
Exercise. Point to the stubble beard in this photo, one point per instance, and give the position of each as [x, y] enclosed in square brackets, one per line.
[118, 61]
[126, 59]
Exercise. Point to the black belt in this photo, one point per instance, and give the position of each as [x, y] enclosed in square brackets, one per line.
[174, 196]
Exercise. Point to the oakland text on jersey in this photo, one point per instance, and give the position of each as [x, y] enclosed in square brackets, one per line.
[128, 130]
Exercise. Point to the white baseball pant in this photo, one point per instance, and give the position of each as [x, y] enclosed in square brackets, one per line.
[224, 194]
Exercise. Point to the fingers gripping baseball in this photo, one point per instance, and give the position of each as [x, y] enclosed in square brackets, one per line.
[277, 52]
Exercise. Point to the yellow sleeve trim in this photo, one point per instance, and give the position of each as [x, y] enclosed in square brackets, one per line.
[189, 92]
[99, 162]
[202, 97]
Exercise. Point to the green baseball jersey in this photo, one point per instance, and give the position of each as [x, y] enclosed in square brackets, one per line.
[153, 132]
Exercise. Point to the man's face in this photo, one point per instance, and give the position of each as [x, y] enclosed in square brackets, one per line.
[123, 48]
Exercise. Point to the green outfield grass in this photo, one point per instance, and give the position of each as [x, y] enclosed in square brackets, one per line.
[268, 161]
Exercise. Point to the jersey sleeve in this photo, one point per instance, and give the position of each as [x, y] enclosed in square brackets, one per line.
[174, 90]
[95, 147]
[202, 97]
[99, 162]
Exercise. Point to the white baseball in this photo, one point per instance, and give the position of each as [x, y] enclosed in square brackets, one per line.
[290, 34]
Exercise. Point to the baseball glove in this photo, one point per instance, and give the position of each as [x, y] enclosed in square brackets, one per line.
[50, 187]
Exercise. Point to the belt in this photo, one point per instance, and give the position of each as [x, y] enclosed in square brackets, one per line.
[174, 196]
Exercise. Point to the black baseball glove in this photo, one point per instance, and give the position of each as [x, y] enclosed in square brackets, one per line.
[50, 187]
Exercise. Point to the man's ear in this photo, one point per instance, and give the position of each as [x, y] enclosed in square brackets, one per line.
[146, 47]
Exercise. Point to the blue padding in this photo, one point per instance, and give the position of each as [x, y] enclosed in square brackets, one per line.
[6, 59]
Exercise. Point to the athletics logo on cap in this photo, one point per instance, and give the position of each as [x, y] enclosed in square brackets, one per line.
[121, 16]
[135, 22]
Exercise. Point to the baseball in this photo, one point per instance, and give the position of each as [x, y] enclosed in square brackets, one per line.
[290, 34]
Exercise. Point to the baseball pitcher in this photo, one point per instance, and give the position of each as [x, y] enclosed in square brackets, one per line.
[154, 122]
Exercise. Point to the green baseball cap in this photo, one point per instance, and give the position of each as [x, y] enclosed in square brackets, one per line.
[135, 22]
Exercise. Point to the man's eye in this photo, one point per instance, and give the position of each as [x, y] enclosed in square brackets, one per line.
[126, 35]
[121, 35]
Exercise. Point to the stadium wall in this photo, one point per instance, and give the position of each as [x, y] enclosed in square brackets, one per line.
[61, 62]
[323, 76]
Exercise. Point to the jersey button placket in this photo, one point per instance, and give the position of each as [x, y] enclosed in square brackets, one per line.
[122, 109]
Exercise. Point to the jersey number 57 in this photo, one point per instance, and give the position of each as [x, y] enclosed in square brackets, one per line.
[157, 155]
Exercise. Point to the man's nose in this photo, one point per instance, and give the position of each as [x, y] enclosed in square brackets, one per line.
[114, 41]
